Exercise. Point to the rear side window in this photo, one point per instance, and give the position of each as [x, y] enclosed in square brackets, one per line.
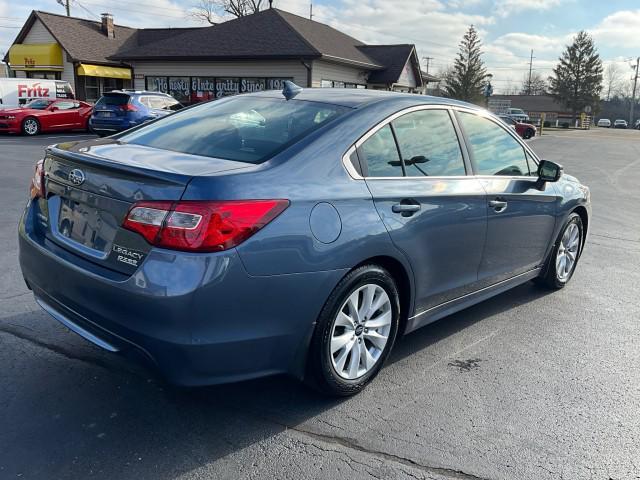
[494, 151]
[428, 144]
[109, 100]
[246, 129]
[380, 154]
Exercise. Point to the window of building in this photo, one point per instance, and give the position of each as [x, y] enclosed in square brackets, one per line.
[428, 144]
[227, 86]
[157, 84]
[494, 150]
[380, 154]
[44, 75]
[180, 88]
[91, 88]
[202, 89]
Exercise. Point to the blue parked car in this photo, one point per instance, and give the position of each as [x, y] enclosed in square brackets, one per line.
[263, 234]
[122, 109]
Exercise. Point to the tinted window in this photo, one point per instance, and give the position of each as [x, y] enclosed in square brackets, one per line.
[495, 152]
[114, 99]
[428, 144]
[38, 104]
[245, 129]
[380, 154]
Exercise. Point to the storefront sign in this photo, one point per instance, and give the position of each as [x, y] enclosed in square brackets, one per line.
[226, 87]
[197, 89]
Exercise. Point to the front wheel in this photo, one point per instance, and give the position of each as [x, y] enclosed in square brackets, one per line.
[564, 257]
[30, 126]
[355, 332]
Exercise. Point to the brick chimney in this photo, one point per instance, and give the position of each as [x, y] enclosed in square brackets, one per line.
[107, 25]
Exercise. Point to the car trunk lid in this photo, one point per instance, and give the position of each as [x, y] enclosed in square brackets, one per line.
[92, 185]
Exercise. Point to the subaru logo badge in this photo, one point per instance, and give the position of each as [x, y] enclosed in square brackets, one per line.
[76, 176]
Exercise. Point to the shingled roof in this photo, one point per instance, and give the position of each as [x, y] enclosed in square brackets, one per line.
[394, 58]
[274, 33]
[82, 39]
[269, 34]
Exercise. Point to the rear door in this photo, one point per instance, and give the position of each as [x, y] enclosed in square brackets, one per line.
[416, 171]
[521, 212]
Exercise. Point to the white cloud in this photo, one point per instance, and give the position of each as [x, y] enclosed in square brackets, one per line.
[619, 29]
[504, 8]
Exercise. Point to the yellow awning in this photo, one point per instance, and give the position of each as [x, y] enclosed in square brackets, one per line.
[37, 56]
[89, 70]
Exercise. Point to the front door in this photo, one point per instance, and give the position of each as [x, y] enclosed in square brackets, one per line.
[64, 114]
[521, 212]
[434, 212]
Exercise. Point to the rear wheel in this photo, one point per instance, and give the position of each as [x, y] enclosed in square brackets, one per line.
[30, 126]
[355, 332]
[528, 133]
[564, 257]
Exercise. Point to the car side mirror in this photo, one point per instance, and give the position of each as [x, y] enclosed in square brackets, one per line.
[549, 171]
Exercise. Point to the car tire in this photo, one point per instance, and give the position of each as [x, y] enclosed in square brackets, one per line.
[330, 368]
[528, 134]
[30, 126]
[556, 275]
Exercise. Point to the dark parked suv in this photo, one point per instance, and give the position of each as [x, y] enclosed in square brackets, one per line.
[123, 109]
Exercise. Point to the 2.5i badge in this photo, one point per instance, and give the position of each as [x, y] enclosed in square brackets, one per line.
[127, 255]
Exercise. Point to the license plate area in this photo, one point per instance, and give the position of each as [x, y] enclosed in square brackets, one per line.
[82, 224]
[105, 114]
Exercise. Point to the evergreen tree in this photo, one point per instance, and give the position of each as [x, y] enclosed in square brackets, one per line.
[467, 78]
[577, 79]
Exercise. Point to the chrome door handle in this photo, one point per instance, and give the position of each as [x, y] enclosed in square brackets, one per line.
[498, 205]
[405, 208]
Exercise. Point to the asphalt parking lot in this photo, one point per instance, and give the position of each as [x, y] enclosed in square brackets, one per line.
[528, 385]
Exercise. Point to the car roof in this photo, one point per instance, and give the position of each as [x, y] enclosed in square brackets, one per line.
[357, 97]
[138, 92]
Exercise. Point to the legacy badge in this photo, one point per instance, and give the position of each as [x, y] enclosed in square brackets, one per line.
[126, 255]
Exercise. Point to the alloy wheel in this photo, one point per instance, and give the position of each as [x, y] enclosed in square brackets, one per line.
[30, 126]
[568, 252]
[360, 331]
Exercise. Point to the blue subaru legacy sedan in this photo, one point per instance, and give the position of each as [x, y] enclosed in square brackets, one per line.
[299, 232]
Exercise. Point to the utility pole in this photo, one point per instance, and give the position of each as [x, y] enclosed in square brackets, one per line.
[633, 95]
[530, 68]
[311, 11]
[65, 4]
[428, 60]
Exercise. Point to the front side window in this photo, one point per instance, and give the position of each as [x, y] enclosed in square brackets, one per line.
[244, 129]
[494, 151]
[380, 154]
[428, 144]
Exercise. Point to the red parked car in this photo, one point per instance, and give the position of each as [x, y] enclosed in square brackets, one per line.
[44, 115]
[525, 130]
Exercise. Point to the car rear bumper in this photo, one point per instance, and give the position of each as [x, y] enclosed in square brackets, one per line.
[111, 125]
[201, 318]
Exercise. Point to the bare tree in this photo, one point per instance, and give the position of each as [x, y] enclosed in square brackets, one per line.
[211, 11]
[537, 85]
[613, 81]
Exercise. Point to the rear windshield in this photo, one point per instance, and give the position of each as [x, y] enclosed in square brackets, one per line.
[245, 129]
[113, 100]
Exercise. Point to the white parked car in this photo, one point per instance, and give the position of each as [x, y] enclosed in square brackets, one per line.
[620, 123]
[518, 115]
[604, 122]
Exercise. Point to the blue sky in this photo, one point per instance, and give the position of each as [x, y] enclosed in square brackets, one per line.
[509, 28]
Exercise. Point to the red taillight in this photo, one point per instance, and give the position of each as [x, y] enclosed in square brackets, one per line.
[37, 188]
[127, 107]
[201, 226]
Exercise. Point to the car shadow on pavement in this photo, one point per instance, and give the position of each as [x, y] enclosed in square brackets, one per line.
[67, 416]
